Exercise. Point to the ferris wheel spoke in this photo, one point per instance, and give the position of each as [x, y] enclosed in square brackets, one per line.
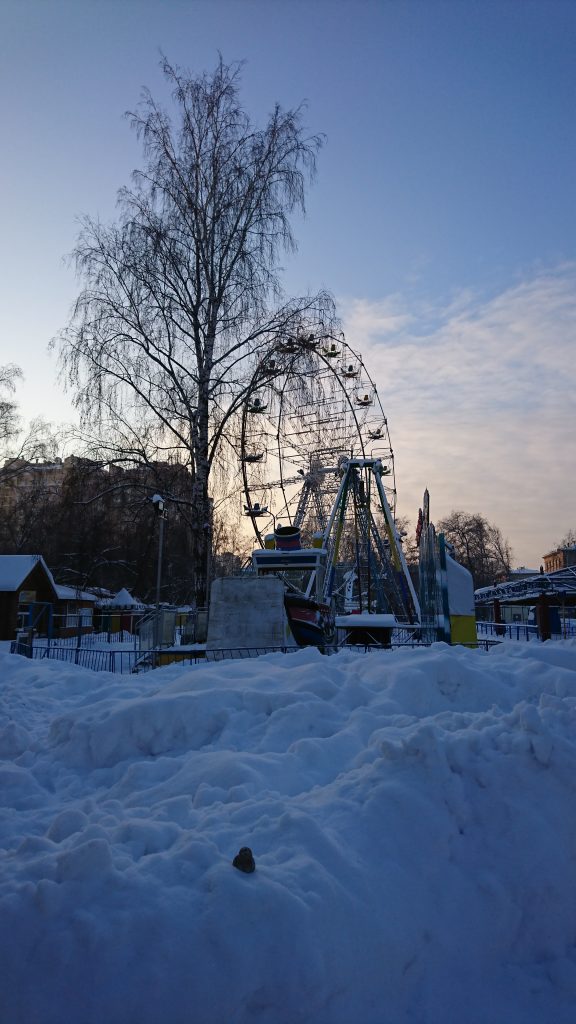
[309, 406]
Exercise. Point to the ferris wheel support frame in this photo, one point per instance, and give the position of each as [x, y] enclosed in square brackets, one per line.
[331, 541]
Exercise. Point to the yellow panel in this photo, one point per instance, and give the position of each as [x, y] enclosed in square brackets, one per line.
[463, 629]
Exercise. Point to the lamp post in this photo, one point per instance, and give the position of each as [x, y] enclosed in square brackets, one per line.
[160, 507]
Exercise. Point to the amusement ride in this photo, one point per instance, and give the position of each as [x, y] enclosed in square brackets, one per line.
[318, 488]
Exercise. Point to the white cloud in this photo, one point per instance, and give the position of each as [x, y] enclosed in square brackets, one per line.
[379, 318]
[480, 396]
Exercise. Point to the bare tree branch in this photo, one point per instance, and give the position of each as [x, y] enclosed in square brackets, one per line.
[479, 545]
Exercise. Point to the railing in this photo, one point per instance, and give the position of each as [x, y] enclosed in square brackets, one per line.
[507, 630]
[126, 661]
[474, 645]
[519, 631]
[103, 660]
[120, 639]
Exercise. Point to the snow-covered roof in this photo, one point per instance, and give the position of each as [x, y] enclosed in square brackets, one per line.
[101, 594]
[72, 594]
[15, 568]
[123, 599]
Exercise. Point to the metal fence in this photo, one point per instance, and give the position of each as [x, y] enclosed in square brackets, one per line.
[103, 660]
[123, 661]
[519, 631]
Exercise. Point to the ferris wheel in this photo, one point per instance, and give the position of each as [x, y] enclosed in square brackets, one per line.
[311, 404]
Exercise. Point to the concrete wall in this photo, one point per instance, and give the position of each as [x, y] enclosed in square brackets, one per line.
[247, 612]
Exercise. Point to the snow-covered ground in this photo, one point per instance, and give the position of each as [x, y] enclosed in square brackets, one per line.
[412, 815]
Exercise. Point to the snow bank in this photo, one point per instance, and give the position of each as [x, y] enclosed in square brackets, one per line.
[411, 815]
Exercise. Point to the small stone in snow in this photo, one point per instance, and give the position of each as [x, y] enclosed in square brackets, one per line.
[244, 860]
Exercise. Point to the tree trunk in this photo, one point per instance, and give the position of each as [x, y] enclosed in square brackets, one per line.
[201, 511]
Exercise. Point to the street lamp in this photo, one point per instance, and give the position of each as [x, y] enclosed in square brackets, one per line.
[160, 507]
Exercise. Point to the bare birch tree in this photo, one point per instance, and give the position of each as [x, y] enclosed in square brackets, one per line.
[183, 290]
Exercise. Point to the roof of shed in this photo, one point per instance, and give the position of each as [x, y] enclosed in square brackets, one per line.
[15, 568]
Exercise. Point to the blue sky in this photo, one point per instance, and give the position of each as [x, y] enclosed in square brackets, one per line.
[442, 217]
